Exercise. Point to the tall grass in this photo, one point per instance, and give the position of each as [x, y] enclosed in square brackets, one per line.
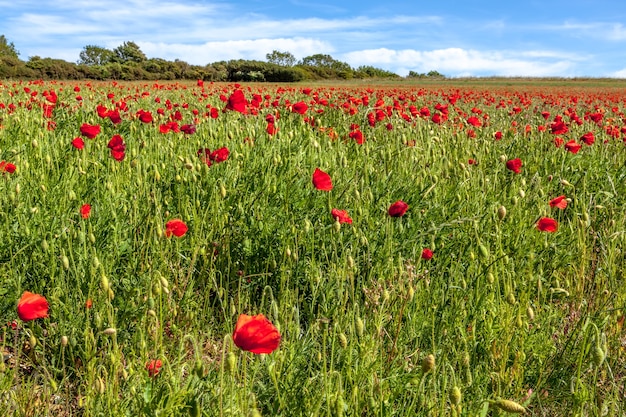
[506, 311]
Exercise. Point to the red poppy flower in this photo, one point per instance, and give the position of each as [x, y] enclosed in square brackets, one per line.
[558, 127]
[572, 146]
[154, 367]
[588, 138]
[78, 143]
[118, 147]
[341, 216]
[357, 135]
[188, 129]
[514, 165]
[89, 303]
[7, 167]
[237, 102]
[398, 209]
[427, 254]
[175, 227]
[559, 202]
[546, 224]
[85, 210]
[145, 116]
[300, 107]
[89, 131]
[271, 129]
[219, 155]
[321, 180]
[32, 306]
[256, 334]
[497, 135]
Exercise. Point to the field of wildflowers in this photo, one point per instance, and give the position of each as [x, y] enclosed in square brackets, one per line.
[211, 249]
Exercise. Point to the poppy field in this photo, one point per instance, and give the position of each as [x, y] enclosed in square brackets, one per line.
[221, 249]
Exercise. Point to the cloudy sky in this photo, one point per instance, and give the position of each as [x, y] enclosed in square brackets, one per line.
[566, 38]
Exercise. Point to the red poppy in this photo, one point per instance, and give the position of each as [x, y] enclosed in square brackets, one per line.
[572, 146]
[85, 210]
[398, 209]
[89, 131]
[321, 180]
[78, 143]
[188, 129]
[588, 138]
[559, 202]
[427, 254]
[341, 216]
[175, 227]
[237, 102]
[256, 334]
[7, 167]
[514, 165]
[32, 306]
[145, 116]
[154, 367]
[357, 135]
[546, 224]
[89, 303]
[300, 107]
[558, 127]
[118, 147]
[497, 135]
[271, 129]
[219, 155]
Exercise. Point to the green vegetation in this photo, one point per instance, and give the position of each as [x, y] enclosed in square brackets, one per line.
[461, 306]
[127, 62]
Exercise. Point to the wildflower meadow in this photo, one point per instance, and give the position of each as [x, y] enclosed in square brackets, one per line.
[348, 249]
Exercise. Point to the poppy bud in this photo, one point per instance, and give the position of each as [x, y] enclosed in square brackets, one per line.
[343, 340]
[501, 212]
[597, 355]
[336, 226]
[484, 252]
[222, 191]
[34, 143]
[44, 245]
[510, 298]
[157, 175]
[17, 188]
[109, 331]
[64, 341]
[509, 406]
[428, 363]
[32, 340]
[490, 278]
[66, 262]
[530, 313]
[360, 327]
[455, 395]
[104, 283]
[522, 193]
[231, 362]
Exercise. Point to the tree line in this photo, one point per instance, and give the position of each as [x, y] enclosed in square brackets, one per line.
[128, 62]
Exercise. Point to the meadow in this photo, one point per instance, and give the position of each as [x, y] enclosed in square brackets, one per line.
[220, 249]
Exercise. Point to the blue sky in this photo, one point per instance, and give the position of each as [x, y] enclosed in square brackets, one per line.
[569, 38]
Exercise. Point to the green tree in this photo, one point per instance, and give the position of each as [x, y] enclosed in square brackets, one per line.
[95, 55]
[284, 59]
[129, 52]
[7, 48]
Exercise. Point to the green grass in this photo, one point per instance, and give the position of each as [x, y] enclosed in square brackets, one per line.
[507, 311]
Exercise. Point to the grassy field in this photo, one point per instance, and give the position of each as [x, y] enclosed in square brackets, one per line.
[152, 218]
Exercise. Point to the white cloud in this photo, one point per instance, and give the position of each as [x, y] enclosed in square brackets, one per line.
[457, 62]
[255, 49]
[619, 74]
